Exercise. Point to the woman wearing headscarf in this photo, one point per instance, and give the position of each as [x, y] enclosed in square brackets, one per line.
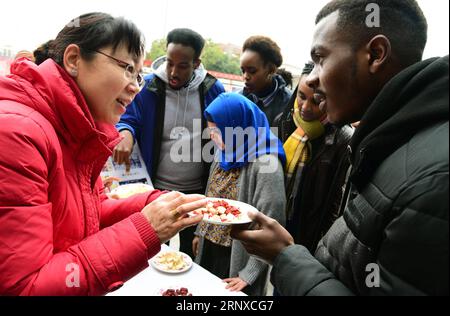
[317, 163]
[248, 169]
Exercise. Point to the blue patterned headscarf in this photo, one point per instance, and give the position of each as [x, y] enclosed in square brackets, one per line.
[232, 110]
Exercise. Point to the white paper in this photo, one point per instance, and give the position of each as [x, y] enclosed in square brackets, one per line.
[138, 172]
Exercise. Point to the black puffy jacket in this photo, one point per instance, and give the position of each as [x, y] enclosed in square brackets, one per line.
[393, 237]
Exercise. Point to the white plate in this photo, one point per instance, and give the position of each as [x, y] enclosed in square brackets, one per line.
[163, 267]
[243, 207]
[127, 190]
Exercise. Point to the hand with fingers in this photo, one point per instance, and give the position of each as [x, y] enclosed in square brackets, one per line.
[108, 182]
[168, 214]
[235, 284]
[265, 242]
[123, 150]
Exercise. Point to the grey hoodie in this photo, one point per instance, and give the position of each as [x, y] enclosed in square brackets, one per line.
[180, 167]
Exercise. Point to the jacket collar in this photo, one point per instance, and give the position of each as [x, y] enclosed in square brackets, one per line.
[413, 100]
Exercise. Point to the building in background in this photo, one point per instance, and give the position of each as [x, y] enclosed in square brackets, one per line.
[6, 58]
[231, 49]
[231, 83]
[296, 73]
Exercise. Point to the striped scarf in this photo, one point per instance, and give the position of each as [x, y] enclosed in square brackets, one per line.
[298, 150]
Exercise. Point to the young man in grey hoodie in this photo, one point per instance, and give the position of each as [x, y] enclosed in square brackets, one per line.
[167, 116]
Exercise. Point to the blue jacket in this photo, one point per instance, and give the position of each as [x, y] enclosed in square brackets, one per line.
[144, 117]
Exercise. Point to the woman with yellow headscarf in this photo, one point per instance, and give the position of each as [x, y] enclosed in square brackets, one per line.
[316, 165]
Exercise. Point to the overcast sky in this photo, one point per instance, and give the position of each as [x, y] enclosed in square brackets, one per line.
[289, 22]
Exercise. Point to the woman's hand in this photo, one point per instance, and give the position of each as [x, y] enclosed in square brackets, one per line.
[108, 182]
[168, 214]
[235, 284]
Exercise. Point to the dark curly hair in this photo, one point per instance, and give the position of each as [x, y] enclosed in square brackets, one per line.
[402, 21]
[269, 51]
[286, 75]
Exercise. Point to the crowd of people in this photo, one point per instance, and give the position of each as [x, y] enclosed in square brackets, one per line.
[349, 171]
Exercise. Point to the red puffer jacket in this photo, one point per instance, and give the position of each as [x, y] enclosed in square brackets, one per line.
[59, 234]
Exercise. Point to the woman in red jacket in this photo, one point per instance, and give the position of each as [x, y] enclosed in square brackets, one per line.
[60, 234]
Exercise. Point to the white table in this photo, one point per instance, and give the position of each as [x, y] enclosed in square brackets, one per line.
[197, 280]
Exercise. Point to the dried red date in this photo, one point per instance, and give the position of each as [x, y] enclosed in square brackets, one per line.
[177, 292]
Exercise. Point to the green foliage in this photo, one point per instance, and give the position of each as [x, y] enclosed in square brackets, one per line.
[158, 49]
[213, 57]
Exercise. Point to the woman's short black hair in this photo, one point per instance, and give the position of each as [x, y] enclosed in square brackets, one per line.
[187, 37]
[94, 31]
[269, 51]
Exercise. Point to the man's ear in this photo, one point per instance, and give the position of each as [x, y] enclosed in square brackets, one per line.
[197, 63]
[379, 52]
[72, 59]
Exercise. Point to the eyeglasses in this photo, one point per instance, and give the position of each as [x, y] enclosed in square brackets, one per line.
[130, 72]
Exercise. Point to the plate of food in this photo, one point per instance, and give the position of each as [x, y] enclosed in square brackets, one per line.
[171, 262]
[127, 190]
[225, 212]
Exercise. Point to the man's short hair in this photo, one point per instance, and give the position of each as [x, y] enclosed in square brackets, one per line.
[187, 37]
[401, 21]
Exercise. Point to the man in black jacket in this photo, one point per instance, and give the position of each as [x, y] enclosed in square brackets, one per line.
[393, 237]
